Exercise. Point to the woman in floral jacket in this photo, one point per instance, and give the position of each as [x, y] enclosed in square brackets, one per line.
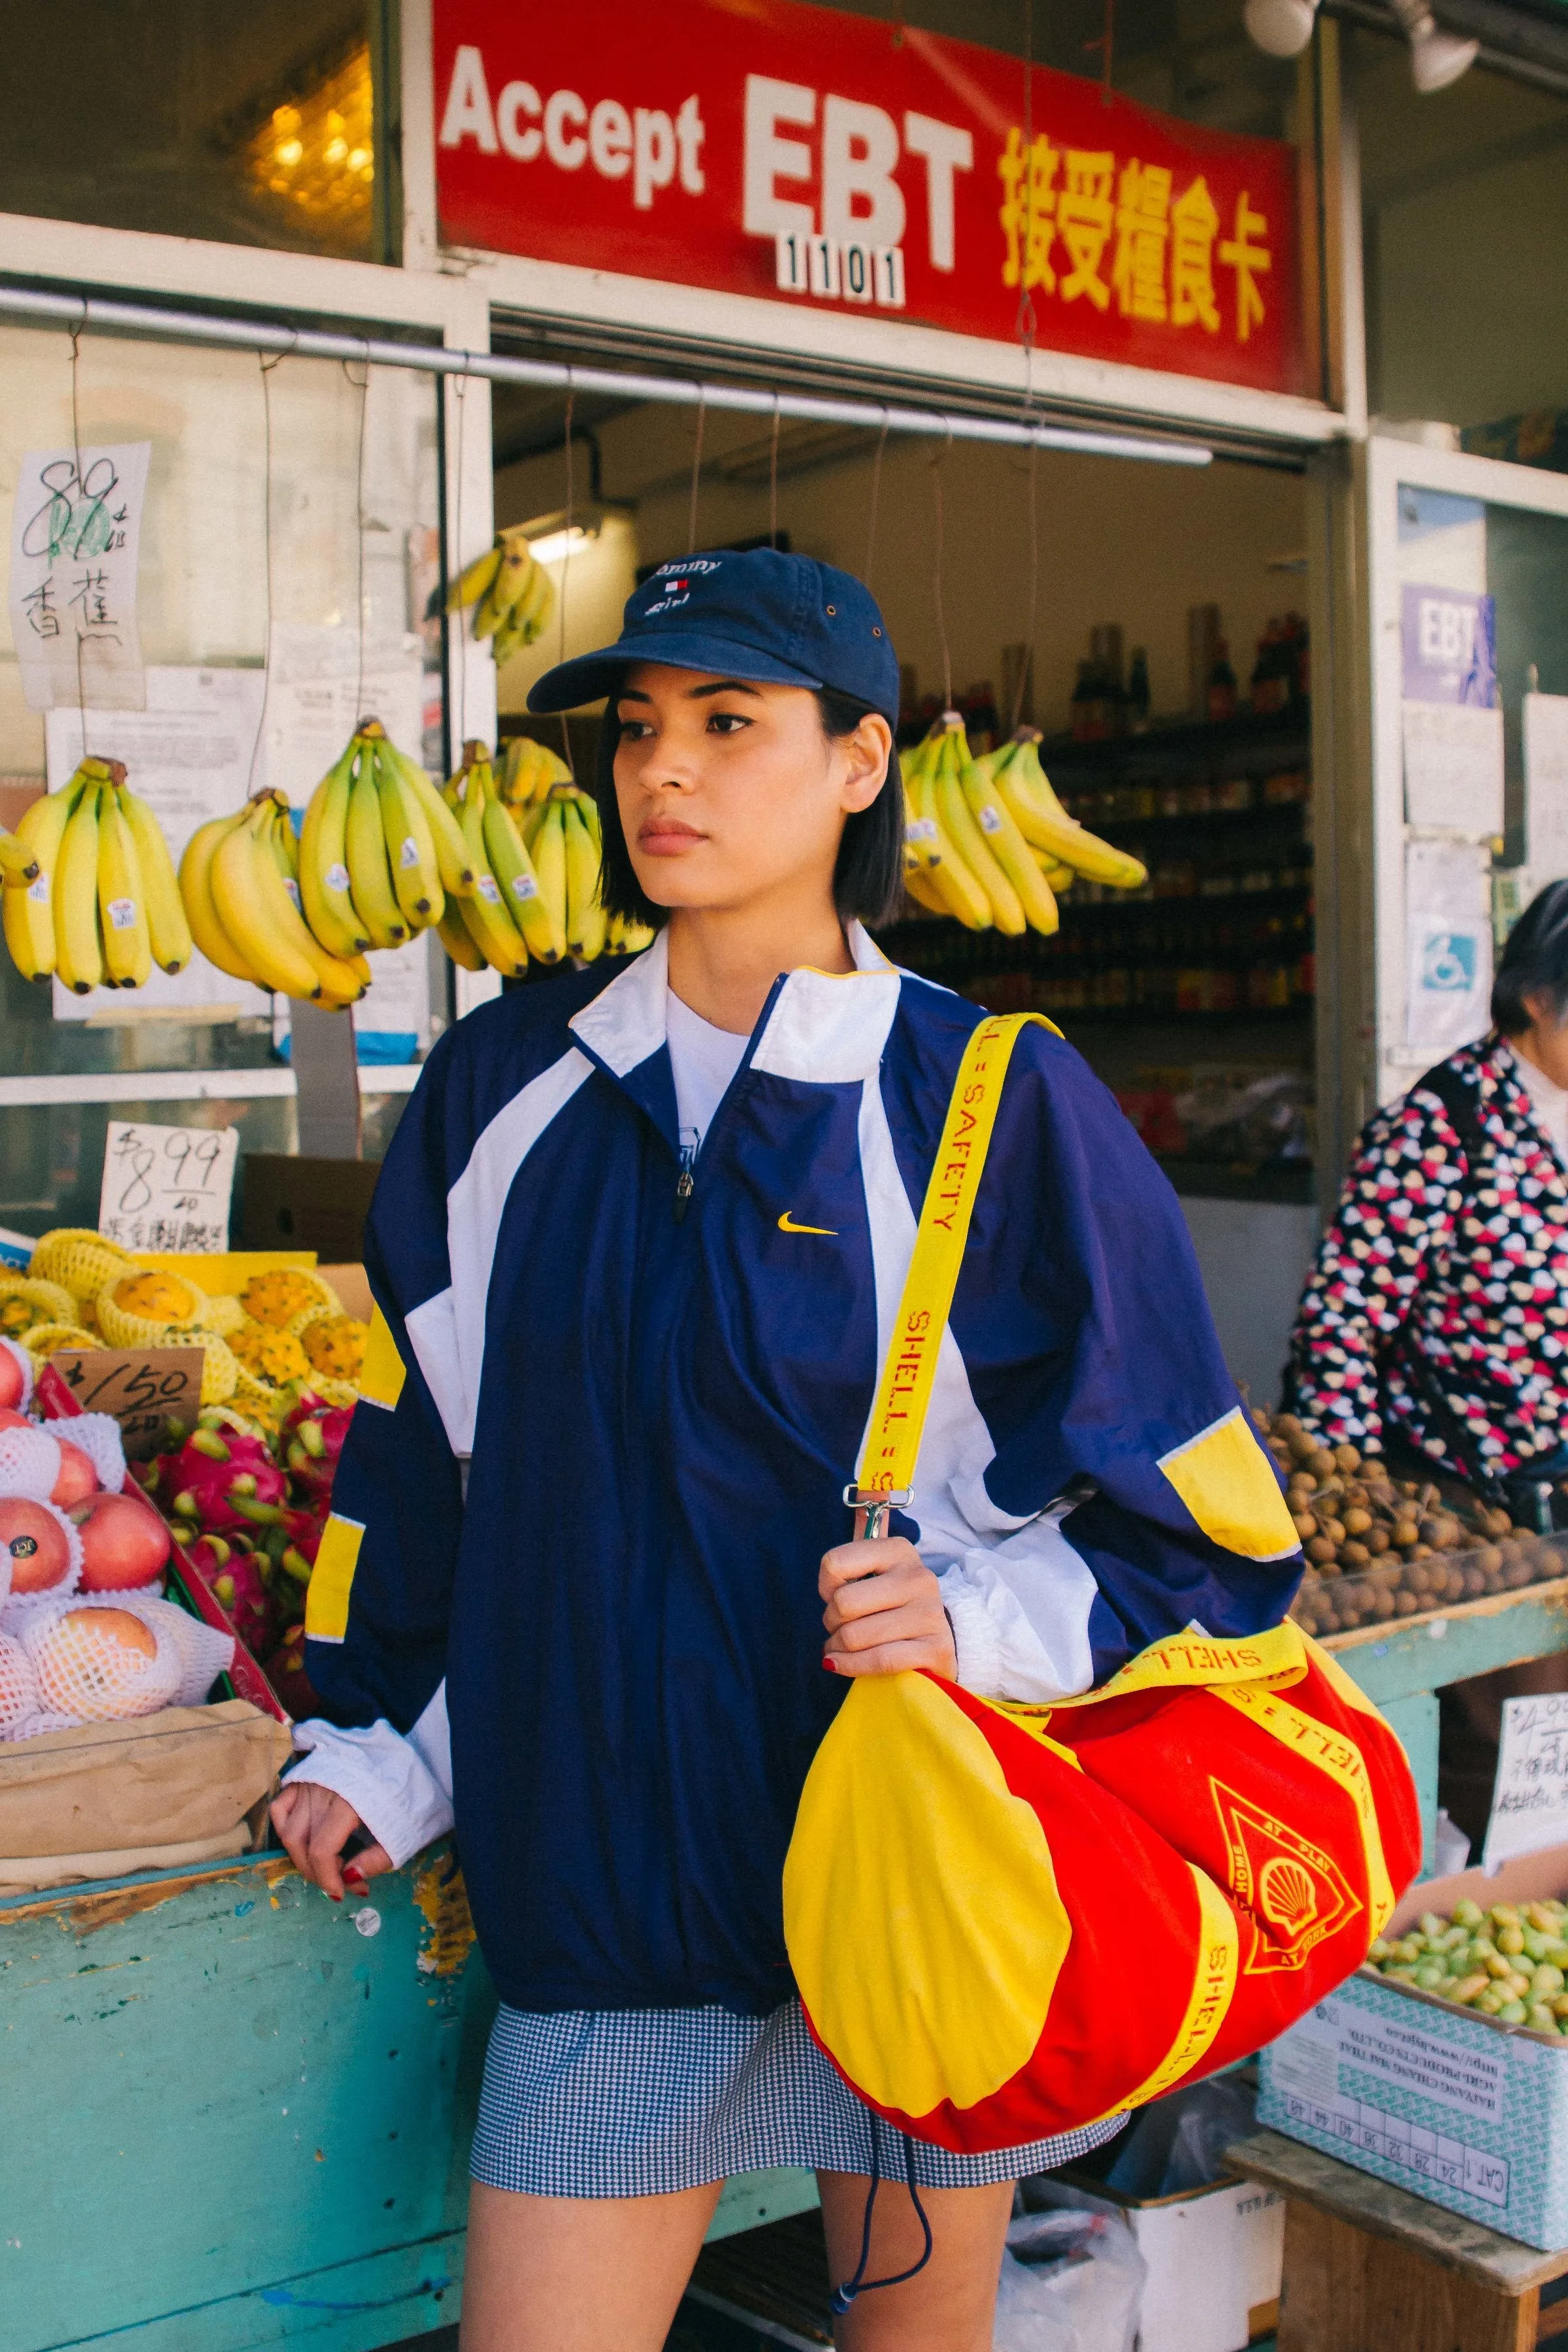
[1436, 1320]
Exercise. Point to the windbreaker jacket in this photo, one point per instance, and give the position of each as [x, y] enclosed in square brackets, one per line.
[654, 1415]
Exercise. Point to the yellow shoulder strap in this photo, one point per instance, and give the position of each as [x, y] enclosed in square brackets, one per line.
[904, 1383]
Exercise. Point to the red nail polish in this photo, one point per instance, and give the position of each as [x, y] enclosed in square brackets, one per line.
[829, 1667]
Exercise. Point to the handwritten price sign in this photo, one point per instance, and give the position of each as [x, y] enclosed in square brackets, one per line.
[141, 1387]
[1530, 1799]
[167, 1188]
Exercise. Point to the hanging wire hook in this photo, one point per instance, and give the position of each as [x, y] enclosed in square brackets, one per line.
[937, 464]
[876, 493]
[566, 567]
[267, 367]
[460, 387]
[773, 478]
[364, 390]
[696, 468]
[79, 492]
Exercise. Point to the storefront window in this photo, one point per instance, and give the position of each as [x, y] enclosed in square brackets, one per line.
[251, 126]
[279, 502]
[1465, 212]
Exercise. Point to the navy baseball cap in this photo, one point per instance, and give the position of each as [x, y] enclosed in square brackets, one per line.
[780, 620]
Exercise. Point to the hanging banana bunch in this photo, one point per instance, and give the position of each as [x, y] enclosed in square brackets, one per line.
[513, 595]
[987, 842]
[90, 895]
[536, 861]
[378, 857]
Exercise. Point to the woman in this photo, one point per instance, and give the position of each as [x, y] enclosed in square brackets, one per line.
[634, 1249]
[1435, 1325]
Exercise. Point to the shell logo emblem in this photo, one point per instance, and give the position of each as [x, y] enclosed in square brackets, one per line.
[1286, 1882]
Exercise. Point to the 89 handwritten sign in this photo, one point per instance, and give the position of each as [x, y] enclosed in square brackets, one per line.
[142, 1388]
[167, 1188]
[75, 530]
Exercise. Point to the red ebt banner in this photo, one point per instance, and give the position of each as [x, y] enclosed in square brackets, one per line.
[768, 148]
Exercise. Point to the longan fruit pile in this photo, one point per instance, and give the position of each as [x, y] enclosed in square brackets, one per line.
[1379, 1548]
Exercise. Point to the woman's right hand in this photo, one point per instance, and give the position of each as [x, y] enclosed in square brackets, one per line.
[315, 1824]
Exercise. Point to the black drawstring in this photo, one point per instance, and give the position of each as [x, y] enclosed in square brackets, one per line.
[843, 2296]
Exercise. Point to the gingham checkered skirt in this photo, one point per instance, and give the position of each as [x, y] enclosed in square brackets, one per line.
[633, 2102]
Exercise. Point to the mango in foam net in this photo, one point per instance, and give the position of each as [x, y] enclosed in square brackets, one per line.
[80, 1260]
[278, 1298]
[335, 1344]
[137, 1308]
[45, 1339]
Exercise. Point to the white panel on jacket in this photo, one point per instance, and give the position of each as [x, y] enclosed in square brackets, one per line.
[400, 1788]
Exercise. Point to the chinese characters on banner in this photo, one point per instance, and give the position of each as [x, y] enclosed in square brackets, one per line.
[75, 528]
[834, 160]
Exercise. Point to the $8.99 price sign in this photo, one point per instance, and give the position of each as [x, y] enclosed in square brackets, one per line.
[167, 1188]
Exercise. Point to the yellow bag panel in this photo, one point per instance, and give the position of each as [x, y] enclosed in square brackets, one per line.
[332, 1579]
[1227, 1483]
[383, 1373]
[923, 1990]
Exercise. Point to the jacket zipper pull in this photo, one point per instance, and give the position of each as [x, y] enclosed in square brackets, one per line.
[686, 1182]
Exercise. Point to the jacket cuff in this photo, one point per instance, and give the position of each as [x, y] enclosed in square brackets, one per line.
[382, 1776]
[974, 1635]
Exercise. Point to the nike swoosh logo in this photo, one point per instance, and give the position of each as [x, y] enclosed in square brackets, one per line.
[787, 1225]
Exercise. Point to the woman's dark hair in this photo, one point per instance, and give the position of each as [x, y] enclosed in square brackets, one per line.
[1534, 963]
[867, 880]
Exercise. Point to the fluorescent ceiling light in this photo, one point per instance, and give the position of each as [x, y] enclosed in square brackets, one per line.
[555, 544]
[1282, 29]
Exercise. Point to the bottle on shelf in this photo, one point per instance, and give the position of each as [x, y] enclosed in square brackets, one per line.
[1138, 693]
[1222, 685]
[1272, 672]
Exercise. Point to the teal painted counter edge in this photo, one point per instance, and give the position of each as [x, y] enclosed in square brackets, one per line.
[1429, 1652]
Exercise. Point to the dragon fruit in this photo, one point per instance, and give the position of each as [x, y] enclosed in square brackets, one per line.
[235, 1580]
[222, 1484]
[312, 1439]
[285, 1670]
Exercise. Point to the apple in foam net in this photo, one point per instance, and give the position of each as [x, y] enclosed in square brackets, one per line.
[124, 1543]
[13, 1381]
[98, 1664]
[78, 1479]
[38, 1546]
[11, 1419]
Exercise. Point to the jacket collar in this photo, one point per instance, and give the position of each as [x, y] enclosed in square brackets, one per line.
[826, 1028]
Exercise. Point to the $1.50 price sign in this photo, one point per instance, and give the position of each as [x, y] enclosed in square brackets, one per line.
[142, 1388]
[167, 1188]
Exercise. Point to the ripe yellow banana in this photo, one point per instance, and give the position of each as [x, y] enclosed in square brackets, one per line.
[967, 839]
[547, 847]
[79, 949]
[950, 878]
[28, 908]
[410, 846]
[169, 934]
[254, 909]
[453, 934]
[197, 896]
[473, 580]
[1043, 822]
[17, 863]
[584, 910]
[324, 890]
[486, 913]
[1007, 846]
[369, 876]
[343, 979]
[451, 856]
[121, 898]
[513, 869]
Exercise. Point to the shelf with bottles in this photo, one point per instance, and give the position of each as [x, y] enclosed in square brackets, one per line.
[1107, 715]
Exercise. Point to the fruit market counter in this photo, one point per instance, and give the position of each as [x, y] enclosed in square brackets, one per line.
[1402, 1665]
[236, 2113]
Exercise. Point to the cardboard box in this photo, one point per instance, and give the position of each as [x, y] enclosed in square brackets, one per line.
[1462, 2109]
[290, 1202]
[1213, 2257]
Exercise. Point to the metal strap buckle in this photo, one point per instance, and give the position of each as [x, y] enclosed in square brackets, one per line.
[877, 1502]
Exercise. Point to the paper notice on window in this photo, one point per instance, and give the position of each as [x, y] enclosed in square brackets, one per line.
[75, 530]
[1530, 1795]
[1454, 767]
[189, 754]
[167, 1188]
[1448, 944]
[318, 694]
[1546, 785]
